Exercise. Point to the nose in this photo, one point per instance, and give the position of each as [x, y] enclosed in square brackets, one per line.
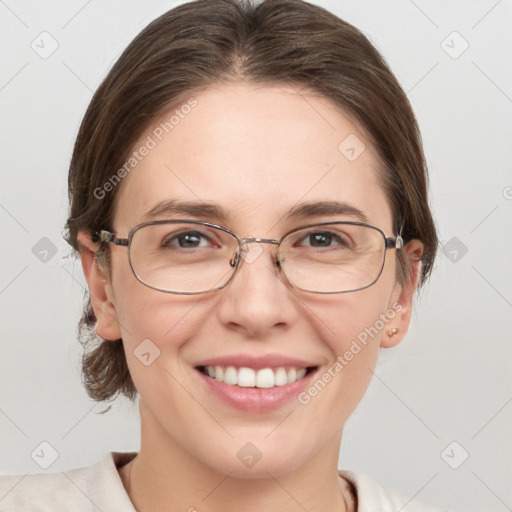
[257, 301]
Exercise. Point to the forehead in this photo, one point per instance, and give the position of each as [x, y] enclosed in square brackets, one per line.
[257, 151]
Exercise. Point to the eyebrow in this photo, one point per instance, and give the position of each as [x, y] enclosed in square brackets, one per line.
[193, 208]
[214, 211]
[318, 208]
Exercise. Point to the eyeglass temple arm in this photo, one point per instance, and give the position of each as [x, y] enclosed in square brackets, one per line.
[106, 236]
[395, 243]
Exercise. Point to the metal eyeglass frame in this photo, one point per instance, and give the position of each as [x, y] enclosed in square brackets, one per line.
[111, 238]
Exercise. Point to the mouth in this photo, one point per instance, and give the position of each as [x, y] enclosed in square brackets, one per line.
[255, 383]
[262, 378]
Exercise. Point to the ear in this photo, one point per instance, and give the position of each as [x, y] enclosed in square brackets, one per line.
[401, 299]
[100, 289]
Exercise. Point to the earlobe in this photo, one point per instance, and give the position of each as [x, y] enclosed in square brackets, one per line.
[402, 298]
[100, 289]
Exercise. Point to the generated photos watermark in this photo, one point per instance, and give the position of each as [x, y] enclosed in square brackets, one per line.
[150, 143]
[343, 360]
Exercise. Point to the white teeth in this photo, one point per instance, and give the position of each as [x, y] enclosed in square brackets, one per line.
[231, 375]
[265, 378]
[280, 377]
[245, 377]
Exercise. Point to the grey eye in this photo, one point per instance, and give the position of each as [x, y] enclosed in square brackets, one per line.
[186, 239]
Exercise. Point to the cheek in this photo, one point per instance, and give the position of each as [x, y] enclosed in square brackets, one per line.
[149, 314]
[155, 327]
[353, 319]
[150, 320]
[351, 327]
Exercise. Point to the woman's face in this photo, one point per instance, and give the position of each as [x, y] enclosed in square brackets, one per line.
[256, 152]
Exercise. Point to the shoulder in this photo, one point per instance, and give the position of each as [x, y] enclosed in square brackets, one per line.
[92, 488]
[371, 496]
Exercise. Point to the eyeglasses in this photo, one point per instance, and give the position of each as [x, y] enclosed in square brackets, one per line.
[190, 256]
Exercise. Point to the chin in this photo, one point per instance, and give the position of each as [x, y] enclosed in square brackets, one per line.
[254, 460]
[262, 469]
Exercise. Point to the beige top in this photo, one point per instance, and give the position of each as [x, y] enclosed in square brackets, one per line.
[99, 488]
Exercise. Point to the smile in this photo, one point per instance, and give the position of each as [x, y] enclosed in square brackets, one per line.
[245, 377]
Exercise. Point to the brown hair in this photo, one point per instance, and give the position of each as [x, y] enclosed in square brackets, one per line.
[210, 41]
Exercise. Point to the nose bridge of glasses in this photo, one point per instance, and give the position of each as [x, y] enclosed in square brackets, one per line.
[244, 249]
[251, 239]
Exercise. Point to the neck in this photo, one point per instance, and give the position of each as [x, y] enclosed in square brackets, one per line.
[172, 479]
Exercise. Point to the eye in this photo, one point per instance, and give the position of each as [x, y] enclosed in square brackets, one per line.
[187, 240]
[325, 239]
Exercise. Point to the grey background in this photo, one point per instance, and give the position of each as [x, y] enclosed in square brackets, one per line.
[449, 381]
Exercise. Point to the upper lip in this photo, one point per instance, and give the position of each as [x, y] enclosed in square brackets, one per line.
[256, 361]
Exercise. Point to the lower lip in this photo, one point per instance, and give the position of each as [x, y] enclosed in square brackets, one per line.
[256, 399]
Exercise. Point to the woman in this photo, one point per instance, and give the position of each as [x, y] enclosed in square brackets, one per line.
[249, 201]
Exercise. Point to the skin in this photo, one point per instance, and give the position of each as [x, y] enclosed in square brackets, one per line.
[257, 151]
